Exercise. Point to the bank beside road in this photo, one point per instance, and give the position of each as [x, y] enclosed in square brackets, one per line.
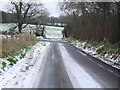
[23, 73]
[105, 52]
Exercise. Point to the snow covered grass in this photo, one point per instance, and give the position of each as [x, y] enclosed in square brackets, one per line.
[54, 28]
[53, 32]
[8, 62]
[107, 53]
[50, 31]
[7, 26]
[23, 73]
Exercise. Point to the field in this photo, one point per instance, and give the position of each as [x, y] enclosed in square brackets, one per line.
[6, 27]
[50, 31]
[53, 32]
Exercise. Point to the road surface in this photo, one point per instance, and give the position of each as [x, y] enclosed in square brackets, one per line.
[67, 67]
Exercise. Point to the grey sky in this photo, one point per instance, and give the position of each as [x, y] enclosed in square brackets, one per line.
[53, 8]
[51, 5]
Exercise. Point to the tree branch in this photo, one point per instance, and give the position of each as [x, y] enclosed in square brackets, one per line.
[24, 26]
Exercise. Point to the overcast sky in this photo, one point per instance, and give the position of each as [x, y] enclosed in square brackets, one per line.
[51, 5]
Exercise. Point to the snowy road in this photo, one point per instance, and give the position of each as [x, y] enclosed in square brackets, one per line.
[66, 67]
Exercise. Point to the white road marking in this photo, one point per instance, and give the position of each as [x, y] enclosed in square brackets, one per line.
[53, 56]
[111, 71]
[82, 53]
[101, 66]
[107, 69]
[91, 60]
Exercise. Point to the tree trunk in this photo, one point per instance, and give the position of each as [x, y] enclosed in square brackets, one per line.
[20, 28]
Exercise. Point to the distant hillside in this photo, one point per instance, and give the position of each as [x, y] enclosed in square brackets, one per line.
[11, 18]
[7, 17]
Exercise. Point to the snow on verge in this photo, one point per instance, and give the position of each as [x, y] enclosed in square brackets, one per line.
[93, 52]
[78, 76]
[23, 73]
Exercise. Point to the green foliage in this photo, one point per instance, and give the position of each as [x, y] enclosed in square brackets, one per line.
[85, 45]
[104, 48]
[11, 60]
[70, 39]
[100, 50]
[3, 65]
[22, 55]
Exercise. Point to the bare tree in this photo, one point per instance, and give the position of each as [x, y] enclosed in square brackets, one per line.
[26, 11]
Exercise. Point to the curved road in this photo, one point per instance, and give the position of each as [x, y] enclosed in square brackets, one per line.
[67, 67]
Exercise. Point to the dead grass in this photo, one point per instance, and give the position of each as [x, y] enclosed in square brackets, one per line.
[10, 46]
[0, 47]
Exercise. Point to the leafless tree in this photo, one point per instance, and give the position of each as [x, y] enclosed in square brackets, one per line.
[26, 11]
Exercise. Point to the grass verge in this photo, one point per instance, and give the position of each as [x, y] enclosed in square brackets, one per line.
[12, 45]
[14, 49]
[102, 48]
